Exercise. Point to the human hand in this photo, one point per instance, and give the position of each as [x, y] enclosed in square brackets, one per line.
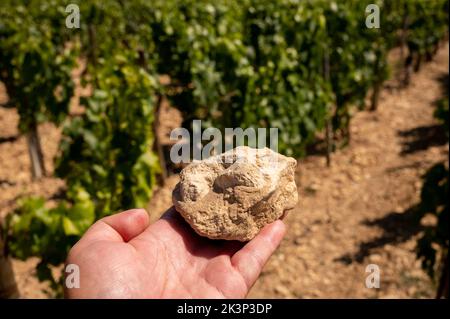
[122, 256]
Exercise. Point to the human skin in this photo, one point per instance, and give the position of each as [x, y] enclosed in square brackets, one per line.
[124, 256]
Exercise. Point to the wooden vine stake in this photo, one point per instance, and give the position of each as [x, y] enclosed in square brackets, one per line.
[329, 124]
[442, 290]
[402, 40]
[35, 152]
[158, 148]
[8, 285]
[375, 97]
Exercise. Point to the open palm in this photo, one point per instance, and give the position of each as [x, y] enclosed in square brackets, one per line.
[122, 256]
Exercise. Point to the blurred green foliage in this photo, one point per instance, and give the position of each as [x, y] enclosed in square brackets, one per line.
[427, 23]
[289, 64]
[106, 156]
[48, 233]
[36, 61]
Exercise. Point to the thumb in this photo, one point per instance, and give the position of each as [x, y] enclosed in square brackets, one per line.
[121, 227]
[250, 260]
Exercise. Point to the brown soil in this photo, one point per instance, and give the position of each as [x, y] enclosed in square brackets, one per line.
[355, 213]
[358, 211]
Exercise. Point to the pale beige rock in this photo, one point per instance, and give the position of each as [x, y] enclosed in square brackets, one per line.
[235, 194]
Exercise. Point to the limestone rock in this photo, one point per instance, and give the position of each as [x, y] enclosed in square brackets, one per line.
[235, 194]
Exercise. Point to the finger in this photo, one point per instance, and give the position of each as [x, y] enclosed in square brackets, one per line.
[118, 227]
[250, 260]
[128, 224]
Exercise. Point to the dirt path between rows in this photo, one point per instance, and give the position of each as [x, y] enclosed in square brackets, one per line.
[359, 212]
[355, 213]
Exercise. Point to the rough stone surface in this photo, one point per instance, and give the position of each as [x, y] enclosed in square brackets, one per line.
[235, 194]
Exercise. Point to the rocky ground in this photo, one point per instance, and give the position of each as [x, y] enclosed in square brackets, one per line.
[357, 212]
